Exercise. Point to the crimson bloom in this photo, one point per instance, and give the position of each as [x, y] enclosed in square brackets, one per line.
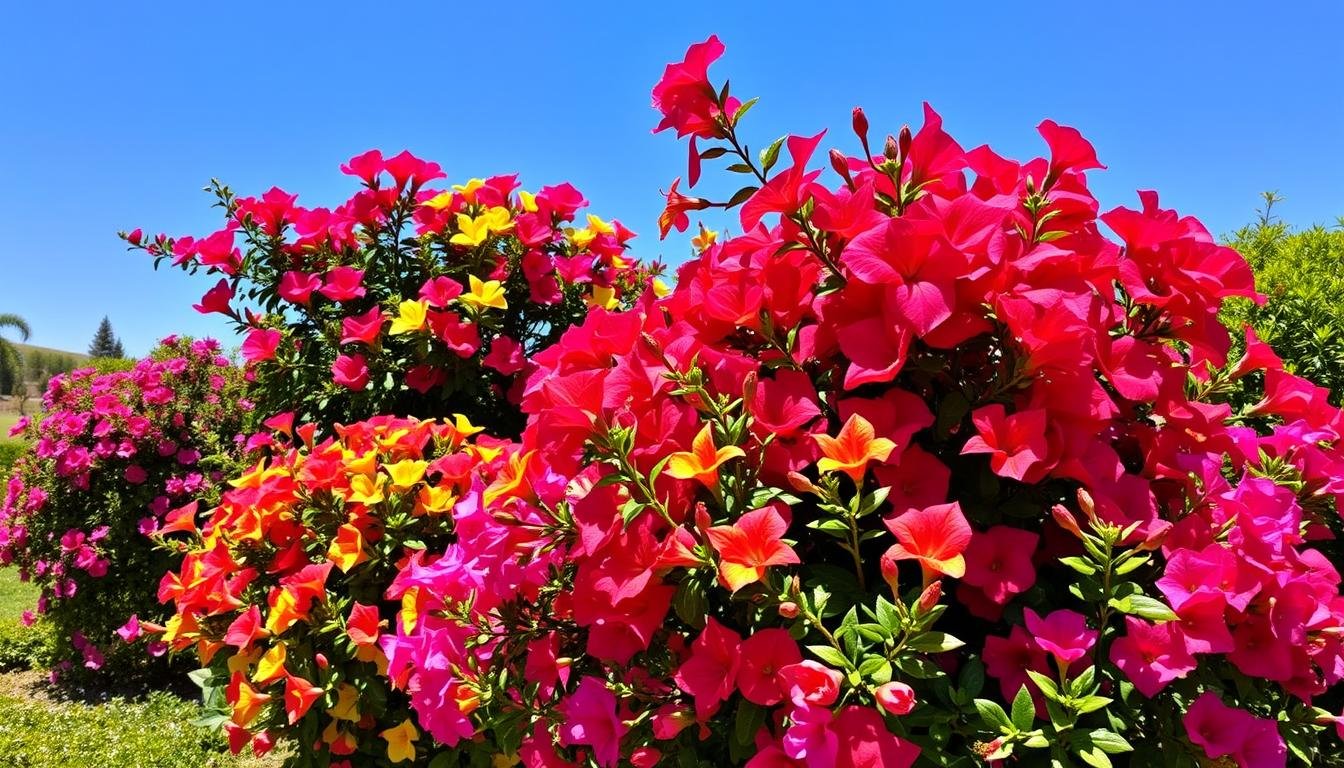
[260, 345]
[935, 537]
[998, 561]
[216, 299]
[1016, 444]
[710, 674]
[764, 655]
[751, 545]
[362, 329]
[350, 371]
[685, 97]
[674, 213]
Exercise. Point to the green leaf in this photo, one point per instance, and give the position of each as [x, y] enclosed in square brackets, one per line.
[744, 109]
[1110, 742]
[831, 656]
[993, 715]
[748, 720]
[1045, 684]
[770, 154]
[1083, 682]
[934, 642]
[741, 196]
[1090, 704]
[1094, 757]
[971, 679]
[1079, 564]
[1145, 607]
[690, 602]
[1024, 709]
[713, 153]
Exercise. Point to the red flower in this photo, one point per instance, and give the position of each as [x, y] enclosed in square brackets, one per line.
[764, 654]
[998, 561]
[685, 96]
[343, 284]
[936, 537]
[674, 213]
[362, 329]
[350, 371]
[1016, 444]
[216, 300]
[710, 674]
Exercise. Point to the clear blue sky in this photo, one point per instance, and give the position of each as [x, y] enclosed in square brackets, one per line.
[114, 115]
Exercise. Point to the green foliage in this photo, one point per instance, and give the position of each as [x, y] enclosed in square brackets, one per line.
[11, 363]
[1301, 272]
[155, 733]
[10, 451]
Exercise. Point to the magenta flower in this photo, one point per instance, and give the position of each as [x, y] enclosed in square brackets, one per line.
[1151, 655]
[1063, 634]
[591, 719]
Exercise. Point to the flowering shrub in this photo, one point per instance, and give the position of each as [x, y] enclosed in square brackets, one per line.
[115, 457]
[280, 592]
[920, 467]
[403, 299]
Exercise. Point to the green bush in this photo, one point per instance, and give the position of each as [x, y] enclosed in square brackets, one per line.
[10, 451]
[25, 647]
[1301, 272]
[154, 733]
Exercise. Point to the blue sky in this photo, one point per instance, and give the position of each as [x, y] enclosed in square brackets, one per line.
[116, 114]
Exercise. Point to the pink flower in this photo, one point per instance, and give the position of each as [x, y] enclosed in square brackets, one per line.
[261, 344]
[809, 682]
[685, 96]
[136, 474]
[866, 742]
[343, 284]
[1151, 655]
[350, 371]
[505, 356]
[896, 698]
[591, 719]
[998, 561]
[1222, 730]
[130, 630]
[216, 299]
[298, 287]
[1063, 634]
[439, 292]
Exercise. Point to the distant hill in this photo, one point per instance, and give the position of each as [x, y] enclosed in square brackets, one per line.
[25, 349]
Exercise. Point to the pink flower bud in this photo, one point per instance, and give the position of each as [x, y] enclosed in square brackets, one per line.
[896, 698]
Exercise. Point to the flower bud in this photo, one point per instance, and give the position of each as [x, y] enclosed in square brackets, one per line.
[135, 237]
[903, 143]
[1086, 504]
[749, 392]
[1064, 519]
[801, 484]
[1157, 534]
[860, 123]
[895, 698]
[321, 661]
[841, 165]
[930, 596]
[788, 610]
[890, 150]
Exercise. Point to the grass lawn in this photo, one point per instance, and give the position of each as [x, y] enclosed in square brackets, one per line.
[41, 729]
[7, 419]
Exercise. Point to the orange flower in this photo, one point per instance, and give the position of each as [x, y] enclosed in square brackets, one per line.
[511, 479]
[749, 546]
[248, 704]
[299, 697]
[702, 462]
[347, 549]
[936, 537]
[853, 448]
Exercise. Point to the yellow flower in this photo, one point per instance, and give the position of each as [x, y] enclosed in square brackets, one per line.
[412, 317]
[410, 609]
[472, 232]
[439, 201]
[401, 741]
[604, 296]
[528, 200]
[484, 294]
[498, 219]
[406, 473]
[366, 490]
[249, 704]
[583, 237]
[705, 239]
[463, 426]
[468, 190]
[363, 464]
[272, 665]
[660, 288]
[434, 501]
[346, 699]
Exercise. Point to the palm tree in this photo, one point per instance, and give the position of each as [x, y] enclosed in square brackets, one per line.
[11, 368]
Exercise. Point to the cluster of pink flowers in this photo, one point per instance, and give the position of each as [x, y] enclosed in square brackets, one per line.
[113, 456]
